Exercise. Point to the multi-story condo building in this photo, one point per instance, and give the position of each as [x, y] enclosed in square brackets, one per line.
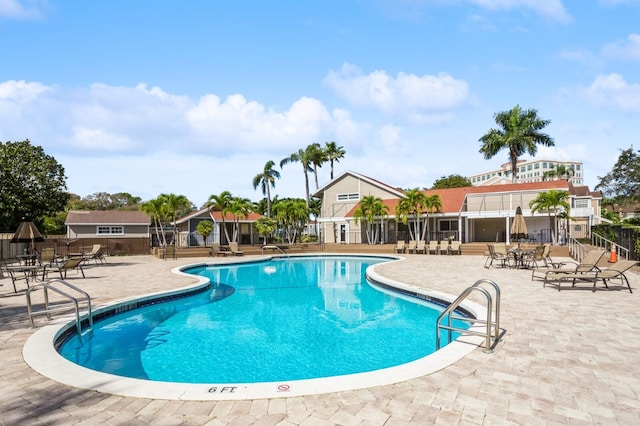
[532, 171]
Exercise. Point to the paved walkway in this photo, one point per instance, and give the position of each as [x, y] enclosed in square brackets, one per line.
[568, 357]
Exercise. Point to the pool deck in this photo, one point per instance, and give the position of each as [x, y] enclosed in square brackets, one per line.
[568, 357]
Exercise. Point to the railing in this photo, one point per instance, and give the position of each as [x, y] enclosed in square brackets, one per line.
[577, 250]
[492, 331]
[61, 307]
[605, 244]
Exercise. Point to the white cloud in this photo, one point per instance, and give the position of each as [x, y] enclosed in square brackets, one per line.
[14, 9]
[628, 49]
[613, 91]
[404, 95]
[20, 91]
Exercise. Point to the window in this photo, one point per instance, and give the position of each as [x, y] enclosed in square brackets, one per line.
[529, 167]
[544, 165]
[110, 230]
[582, 204]
[536, 166]
[349, 196]
[448, 225]
[577, 166]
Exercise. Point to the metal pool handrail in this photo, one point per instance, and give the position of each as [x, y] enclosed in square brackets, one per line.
[491, 331]
[50, 285]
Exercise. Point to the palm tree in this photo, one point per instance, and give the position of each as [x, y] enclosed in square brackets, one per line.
[369, 210]
[333, 153]
[153, 208]
[560, 172]
[304, 156]
[292, 215]
[221, 203]
[267, 180]
[550, 202]
[519, 133]
[240, 209]
[318, 156]
[432, 204]
[412, 204]
[175, 206]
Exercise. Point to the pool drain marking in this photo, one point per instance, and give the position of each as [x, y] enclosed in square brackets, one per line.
[283, 388]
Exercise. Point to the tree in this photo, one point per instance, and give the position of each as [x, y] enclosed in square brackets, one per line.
[561, 171]
[267, 180]
[371, 209]
[411, 205]
[318, 156]
[265, 227]
[221, 203]
[240, 209]
[553, 203]
[432, 204]
[334, 153]
[153, 208]
[451, 181]
[519, 133]
[292, 215]
[622, 183]
[204, 228]
[175, 206]
[32, 185]
[304, 157]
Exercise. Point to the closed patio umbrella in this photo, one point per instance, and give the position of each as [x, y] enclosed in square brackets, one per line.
[518, 226]
[27, 233]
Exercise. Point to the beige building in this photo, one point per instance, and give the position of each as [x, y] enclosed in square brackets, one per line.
[529, 171]
[470, 214]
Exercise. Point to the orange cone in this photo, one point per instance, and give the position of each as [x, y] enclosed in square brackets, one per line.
[613, 257]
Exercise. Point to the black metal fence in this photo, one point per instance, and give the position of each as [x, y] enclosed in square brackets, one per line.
[626, 237]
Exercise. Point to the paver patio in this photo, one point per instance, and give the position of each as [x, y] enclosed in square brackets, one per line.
[568, 357]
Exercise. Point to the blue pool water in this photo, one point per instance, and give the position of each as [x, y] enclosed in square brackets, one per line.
[283, 319]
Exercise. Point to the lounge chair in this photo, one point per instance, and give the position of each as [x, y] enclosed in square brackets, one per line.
[421, 247]
[434, 247]
[97, 256]
[19, 272]
[454, 247]
[588, 264]
[411, 247]
[616, 271]
[233, 248]
[215, 250]
[63, 267]
[400, 247]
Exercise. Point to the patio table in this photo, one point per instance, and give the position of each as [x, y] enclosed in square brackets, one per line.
[519, 255]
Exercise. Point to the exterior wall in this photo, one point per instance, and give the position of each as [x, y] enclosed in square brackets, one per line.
[528, 171]
[333, 224]
[91, 231]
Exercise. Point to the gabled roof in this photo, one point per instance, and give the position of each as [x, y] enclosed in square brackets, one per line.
[106, 217]
[370, 180]
[216, 216]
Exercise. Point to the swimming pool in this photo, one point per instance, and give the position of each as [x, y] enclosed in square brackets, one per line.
[283, 319]
[338, 297]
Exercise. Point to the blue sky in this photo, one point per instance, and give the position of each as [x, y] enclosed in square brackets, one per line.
[195, 97]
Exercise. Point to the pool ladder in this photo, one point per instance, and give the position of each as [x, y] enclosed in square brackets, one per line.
[492, 331]
[81, 301]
